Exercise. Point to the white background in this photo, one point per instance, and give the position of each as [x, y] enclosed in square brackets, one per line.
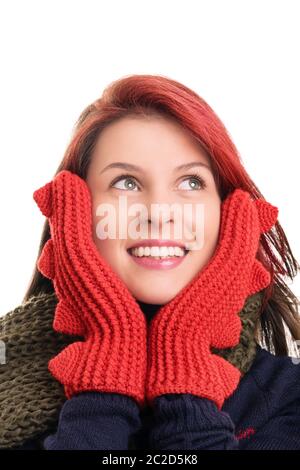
[242, 57]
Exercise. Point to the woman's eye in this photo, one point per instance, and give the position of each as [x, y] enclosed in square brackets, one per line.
[194, 183]
[129, 183]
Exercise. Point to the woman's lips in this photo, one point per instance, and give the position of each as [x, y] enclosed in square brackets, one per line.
[152, 263]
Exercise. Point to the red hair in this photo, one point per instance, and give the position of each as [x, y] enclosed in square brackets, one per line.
[146, 95]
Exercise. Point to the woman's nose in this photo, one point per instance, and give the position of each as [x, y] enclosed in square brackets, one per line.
[159, 209]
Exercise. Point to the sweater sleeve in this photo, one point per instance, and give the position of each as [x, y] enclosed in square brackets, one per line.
[185, 421]
[281, 432]
[95, 421]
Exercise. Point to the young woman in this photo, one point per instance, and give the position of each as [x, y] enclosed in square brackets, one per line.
[153, 342]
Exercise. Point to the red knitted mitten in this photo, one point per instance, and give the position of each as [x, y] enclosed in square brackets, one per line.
[205, 313]
[93, 300]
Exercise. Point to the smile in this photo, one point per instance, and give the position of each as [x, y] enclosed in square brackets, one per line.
[158, 257]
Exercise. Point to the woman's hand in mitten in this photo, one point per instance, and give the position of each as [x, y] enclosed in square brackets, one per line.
[93, 301]
[205, 313]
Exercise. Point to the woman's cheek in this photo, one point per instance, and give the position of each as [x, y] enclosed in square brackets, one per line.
[206, 225]
[212, 227]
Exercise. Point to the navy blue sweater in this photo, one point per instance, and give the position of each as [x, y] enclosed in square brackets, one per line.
[262, 413]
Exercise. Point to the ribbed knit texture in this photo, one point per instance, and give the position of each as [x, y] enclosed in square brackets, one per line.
[205, 313]
[32, 400]
[93, 301]
[262, 414]
[117, 418]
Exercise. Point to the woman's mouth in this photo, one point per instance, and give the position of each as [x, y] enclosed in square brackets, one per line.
[158, 257]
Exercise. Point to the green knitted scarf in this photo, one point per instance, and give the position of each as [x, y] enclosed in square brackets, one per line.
[31, 399]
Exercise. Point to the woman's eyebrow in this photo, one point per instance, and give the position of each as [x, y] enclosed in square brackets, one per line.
[187, 166]
[125, 166]
[131, 167]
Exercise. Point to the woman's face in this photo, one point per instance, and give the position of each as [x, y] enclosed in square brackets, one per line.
[156, 147]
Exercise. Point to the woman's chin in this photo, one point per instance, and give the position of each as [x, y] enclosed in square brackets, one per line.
[154, 298]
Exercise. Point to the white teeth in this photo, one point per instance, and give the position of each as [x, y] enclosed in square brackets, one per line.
[171, 250]
[178, 251]
[163, 251]
[158, 251]
[154, 251]
[140, 251]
